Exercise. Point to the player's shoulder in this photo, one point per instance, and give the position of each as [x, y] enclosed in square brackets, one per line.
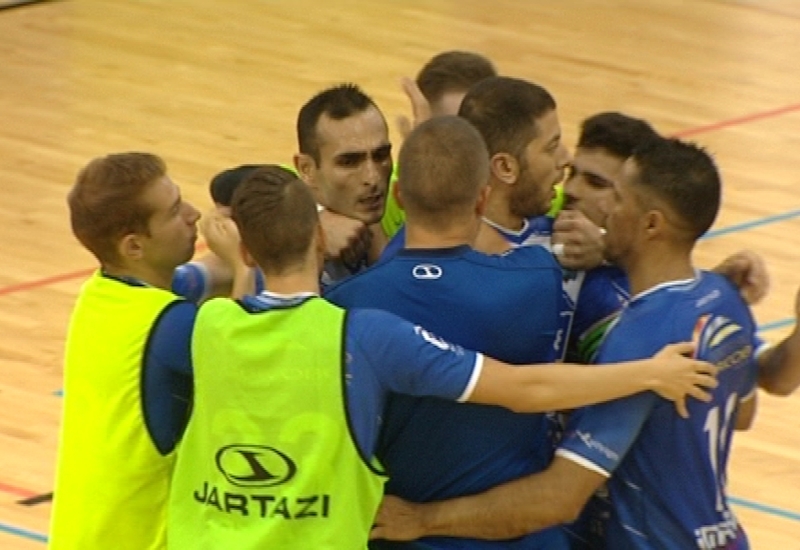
[376, 328]
[708, 292]
[533, 257]
[674, 306]
[358, 281]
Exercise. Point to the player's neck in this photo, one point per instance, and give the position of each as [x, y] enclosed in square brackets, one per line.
[649, 270]
[293, 282]
[377, 243]
[420, 236]
[499, 212]
[144, 274]
[491, 241]
[302, 276]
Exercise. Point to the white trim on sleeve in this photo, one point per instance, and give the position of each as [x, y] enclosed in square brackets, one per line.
[473, 379]
[582, 461]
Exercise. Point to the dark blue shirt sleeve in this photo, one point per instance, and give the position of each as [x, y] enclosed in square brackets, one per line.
[598, 437]
[191, 281]
[167, 375]
[386, 354]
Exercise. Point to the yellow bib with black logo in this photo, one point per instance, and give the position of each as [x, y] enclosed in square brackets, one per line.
[268, 460]
[111, 483]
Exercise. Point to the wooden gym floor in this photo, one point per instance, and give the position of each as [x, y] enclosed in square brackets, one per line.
[210, 84]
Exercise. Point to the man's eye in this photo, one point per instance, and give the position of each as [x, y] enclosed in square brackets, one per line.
[349, 161]
[382, 154]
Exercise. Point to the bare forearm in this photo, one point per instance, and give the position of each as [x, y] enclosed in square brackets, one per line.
[505, 512]
[563, 386]
[779, 367]
[516, 508]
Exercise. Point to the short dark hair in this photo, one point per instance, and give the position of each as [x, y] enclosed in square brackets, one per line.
[684, 176]
[453, 71]
[504, 110]
[616, 133]
[276, 216]
[442, 167]
[225, 183]
[338, 102]
[106, 202]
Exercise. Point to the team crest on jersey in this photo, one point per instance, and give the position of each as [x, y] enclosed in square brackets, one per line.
[718, 333]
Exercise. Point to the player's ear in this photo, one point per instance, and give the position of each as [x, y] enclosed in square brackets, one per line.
[306, 167]
[504, 167]
[130, 247]
[654, 222]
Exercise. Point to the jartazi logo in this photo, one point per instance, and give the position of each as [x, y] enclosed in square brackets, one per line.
[254, 465]
[426, 271]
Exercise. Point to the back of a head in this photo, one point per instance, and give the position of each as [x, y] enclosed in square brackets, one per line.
[453, 71]
[106, 202]
[685, 177]
[442, 166]
[504, 110]
[338, 102]
[276, 216]
[225, 183]
[616, 133]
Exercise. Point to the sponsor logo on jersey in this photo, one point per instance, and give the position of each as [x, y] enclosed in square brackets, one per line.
[723, 335]
[260, 473]
[592, 443]
[719, 536]
[713, 295]
[254, 465]
[427, 271]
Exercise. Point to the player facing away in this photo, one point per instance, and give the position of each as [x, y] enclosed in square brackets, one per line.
[667, 474]
[436, 449]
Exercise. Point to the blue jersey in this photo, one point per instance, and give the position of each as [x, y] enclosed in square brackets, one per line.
[668, 484]
[604, 291]
[385, 354]
[508, 307]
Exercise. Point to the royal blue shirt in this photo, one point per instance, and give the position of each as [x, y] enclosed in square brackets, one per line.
[386, 354]
[510, 307]
[668, 484]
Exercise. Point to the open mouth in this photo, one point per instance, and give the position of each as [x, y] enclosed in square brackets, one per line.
[372, 202]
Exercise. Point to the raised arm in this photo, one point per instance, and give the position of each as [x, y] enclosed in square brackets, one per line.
[563, 386]
[222, 237]
[748, 272]
[779, 366]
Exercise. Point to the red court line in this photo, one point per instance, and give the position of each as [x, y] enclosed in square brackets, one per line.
[47, 281]
[61, 278]
[738, 121]
[19, 491]
[683, 133]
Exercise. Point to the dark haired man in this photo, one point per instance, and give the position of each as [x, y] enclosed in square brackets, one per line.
[668, 484]
[345, 158]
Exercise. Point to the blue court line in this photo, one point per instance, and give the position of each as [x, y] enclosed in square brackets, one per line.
[751, 224]
[24, 533]
[771, 510]
[772, 325]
